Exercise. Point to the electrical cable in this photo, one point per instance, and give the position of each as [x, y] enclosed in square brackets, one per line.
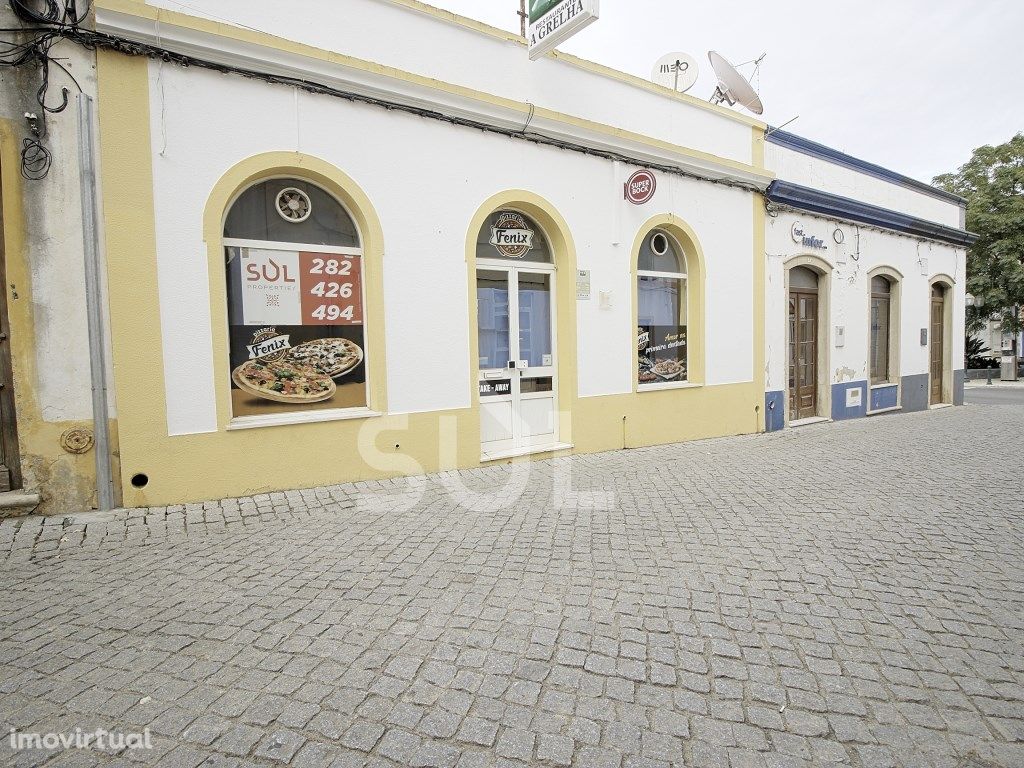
[95, 40]
[56, 19]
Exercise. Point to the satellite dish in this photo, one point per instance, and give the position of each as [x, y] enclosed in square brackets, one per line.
[677, 71]
[733, 87]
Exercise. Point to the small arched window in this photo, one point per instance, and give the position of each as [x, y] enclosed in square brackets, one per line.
[662, 318]
[294, 269]
[881, 329]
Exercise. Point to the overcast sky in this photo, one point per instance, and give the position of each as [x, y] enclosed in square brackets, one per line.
[914, 85]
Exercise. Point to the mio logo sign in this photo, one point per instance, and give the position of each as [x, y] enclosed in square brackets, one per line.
[640, 187]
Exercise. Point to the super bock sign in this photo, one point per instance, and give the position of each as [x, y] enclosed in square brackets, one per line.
[552, 22]
[511, 235]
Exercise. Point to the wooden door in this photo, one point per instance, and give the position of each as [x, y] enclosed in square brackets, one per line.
[10, 465]
[803, 355]
[937, 346]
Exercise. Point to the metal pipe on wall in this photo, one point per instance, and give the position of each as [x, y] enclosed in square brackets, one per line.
[94, 302]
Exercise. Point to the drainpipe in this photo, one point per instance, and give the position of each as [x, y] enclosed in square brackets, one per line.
[93, 303]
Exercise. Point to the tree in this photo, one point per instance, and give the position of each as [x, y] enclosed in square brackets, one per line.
[976, 353]
[993, 183]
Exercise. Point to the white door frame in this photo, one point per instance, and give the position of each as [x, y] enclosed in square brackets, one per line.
[519, 441]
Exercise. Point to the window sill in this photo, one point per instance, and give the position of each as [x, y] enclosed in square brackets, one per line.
[885, 410]
[886, 385]
[527, 451]
[810, 420]
[658, 387]
[301, 417]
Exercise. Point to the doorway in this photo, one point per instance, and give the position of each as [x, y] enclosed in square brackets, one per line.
[516, 346]
[803, 343]
[936, 356]
[10, 464]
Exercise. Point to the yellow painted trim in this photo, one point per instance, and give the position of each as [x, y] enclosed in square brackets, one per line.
[296, 164]
[129, 226]
[219, 464]
[563, 251]
[696, 287]
[576, 61]
[759, 300]
[459, 20]
[272, 42]
[757, 149]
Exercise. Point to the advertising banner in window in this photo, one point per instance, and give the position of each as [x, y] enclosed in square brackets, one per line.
[296, 331]
[661, 352]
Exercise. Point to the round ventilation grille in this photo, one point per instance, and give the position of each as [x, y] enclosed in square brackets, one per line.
[294, 205]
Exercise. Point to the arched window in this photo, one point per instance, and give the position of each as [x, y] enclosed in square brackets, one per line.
[661, 311]
[294, 268]
[881, 329]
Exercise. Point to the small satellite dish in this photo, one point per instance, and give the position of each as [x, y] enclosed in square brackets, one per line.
[733, 87]
[677, 71]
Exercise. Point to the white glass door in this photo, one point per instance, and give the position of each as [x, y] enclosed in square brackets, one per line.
[515, 321]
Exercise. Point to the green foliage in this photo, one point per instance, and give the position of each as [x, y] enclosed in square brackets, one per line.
[976, 354]
[993, 183]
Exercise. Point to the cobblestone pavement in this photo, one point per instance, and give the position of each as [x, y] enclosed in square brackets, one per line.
[845, 594]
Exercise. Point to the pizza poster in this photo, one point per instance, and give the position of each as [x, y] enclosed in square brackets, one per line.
[661, 353]
[296, 331]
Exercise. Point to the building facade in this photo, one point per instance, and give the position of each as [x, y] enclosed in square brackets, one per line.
[325, 266]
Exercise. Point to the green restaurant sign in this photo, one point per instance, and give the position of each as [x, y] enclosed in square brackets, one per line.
[552, 22]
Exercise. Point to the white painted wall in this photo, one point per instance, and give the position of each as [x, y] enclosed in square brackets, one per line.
[849, 294]
[426, 180]
[829, 177]
[420, 43]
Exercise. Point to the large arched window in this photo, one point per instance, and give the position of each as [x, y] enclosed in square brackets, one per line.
[294, 269]
[661, 311]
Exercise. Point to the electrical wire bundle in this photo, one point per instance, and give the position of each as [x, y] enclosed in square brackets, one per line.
[56, 19]
[61, 21]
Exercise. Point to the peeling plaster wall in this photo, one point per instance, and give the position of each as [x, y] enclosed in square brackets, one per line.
[45, 285]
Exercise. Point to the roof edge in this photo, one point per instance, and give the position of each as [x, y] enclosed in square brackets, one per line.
[826, 204]
[824, 152]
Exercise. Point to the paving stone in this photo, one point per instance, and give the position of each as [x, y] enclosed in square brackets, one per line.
[834, 595]
[363, 736]
[477, 731]
[555, 749]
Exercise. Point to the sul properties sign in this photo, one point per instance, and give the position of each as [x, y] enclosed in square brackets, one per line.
[552, 22]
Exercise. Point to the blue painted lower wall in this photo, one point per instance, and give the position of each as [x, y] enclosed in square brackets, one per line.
[958, 387]
[774, 411]
[839, 409]
[884, 397]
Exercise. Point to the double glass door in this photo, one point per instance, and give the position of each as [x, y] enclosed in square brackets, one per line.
[515, 318]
